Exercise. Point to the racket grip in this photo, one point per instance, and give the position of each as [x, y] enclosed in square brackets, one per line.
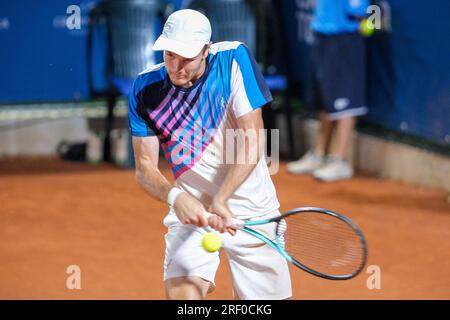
[235, 223]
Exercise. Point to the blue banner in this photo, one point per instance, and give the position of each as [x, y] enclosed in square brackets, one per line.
[43, 50]
[41, 58]
[409, 69]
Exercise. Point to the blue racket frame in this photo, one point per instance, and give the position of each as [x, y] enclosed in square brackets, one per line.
[245, 227]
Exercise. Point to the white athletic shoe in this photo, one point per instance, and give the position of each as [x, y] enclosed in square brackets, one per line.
[334, 169]
[306, 164]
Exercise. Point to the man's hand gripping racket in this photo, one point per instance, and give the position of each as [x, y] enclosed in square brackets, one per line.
[319, 241]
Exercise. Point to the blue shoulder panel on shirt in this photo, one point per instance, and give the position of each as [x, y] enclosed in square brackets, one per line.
[138, 127]
[255, 86]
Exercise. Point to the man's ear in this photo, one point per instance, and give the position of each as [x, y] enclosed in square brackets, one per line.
[206, 51]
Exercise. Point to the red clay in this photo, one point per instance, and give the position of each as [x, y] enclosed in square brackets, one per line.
[55, 214]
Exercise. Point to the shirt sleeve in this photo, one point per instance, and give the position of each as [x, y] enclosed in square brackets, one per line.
[138, 127]
[357, 8]
[249, 90]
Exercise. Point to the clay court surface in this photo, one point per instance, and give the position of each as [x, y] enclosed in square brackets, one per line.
[54, 214]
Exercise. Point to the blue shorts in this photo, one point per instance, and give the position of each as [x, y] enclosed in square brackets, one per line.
[338, 75]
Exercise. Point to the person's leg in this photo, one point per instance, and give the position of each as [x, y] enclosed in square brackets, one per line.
[189, 270]
[257, 270]
[335, 167]
[343, 99]
[343, 136]
[324, 135]
[187, 288]
[315, 157]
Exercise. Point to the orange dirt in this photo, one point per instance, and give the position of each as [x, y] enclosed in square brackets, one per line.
[55, 214]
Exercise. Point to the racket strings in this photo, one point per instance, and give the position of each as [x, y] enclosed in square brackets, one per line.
[322, 242]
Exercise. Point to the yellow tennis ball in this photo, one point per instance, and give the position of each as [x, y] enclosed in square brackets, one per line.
[211, 242]
[366, 28]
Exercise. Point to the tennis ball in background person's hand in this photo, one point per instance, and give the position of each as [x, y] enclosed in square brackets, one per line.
[365, 28]
[211, 242]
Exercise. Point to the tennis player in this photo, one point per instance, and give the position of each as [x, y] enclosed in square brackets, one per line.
[188, 105]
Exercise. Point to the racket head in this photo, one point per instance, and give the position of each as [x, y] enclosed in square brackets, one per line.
[322, 242]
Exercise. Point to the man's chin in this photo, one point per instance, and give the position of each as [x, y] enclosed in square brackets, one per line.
[179, 82]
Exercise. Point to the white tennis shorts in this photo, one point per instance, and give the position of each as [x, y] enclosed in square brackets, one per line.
[257, 270]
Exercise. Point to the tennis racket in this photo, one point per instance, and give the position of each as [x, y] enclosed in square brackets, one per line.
[319, 241]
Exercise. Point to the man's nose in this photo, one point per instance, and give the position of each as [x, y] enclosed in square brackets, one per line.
[178, 66]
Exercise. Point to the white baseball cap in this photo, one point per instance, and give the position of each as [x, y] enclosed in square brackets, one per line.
[185, 33]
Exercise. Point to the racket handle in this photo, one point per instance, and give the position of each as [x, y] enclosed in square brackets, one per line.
[235, 223]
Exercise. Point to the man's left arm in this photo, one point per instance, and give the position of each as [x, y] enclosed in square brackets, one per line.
[250, 149]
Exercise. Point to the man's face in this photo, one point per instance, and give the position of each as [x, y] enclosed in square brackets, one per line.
[183, 71]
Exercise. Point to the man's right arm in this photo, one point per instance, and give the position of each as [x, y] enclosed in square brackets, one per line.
[146, 152]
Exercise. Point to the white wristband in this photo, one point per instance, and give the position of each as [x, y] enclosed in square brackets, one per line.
[173, 194]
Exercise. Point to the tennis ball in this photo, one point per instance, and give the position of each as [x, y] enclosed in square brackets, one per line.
[211, 242]
[366, 28]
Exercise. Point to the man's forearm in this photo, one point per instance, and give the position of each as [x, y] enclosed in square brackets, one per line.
[154, 183]
[238, 173]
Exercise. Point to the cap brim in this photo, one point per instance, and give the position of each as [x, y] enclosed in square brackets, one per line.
[186, 50]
